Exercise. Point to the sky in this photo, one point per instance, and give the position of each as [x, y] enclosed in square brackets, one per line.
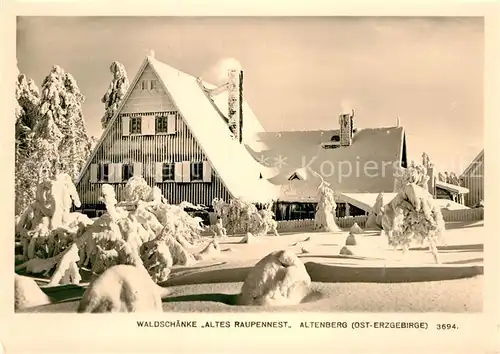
[300, 72]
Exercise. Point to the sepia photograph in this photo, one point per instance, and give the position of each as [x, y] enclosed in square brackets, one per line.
[249, 165]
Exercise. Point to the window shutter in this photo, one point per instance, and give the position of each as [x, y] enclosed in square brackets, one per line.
[111, 173]
[207, 171]
[186, 171]
[93, 173]
[125, 126]
[118, 172]
[147, 125]
[159, 172]
[178, 171]
[171, 123]
[148, 170]
[152, 124]
[137, 169]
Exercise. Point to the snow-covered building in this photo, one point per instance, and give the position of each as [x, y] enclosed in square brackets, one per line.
[473, 179]
[197, 142]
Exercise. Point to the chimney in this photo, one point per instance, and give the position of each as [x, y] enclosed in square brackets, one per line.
[432, 180]
[346, 122]
[235, 103]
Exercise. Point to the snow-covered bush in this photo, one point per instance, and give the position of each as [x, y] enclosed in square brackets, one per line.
[413, 216]
[47, 226]
[416, 174]
[136, 189]
[324, 219]
[241, 216]
[154, 236]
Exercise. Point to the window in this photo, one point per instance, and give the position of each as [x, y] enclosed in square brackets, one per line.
[197, 171]
[161, 124]
[168, 171]
[103, 172]
[153, 85]
[135, 125]
[341, 210]
[299, 211]
[127, 171]
[144, 85]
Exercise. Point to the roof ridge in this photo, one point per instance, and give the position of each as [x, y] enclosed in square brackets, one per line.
[471, 164]
[152, 60]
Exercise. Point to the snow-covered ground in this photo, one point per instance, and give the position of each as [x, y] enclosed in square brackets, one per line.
[375, 278]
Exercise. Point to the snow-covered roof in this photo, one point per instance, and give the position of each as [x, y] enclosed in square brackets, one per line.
[473, 164]
[451, 187]
[237, 169]
[259, 168]
[366, 166]
[239, 172]
[365, 201]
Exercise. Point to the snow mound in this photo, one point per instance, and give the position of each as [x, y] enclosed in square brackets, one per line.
[278, 279]
[351, 240]
[346, 251]
[248, 238]
[356, 229]
[27, 293]
[122, 288]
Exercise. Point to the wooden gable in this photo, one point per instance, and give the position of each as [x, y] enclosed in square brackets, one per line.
[147, 151]
[144, 98]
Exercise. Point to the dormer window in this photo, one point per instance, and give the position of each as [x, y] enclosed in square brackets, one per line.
[299, 174]
[153, 85]
[144, 85]
[331, 145]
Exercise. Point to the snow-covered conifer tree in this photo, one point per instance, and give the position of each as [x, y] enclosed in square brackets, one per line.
[116, 92]
[27, 99]
[61, 105]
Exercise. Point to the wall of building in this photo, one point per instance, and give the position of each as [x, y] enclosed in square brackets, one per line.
[150, 149]
[474, 181]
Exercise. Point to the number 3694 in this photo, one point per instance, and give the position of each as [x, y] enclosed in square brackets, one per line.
[446, 326]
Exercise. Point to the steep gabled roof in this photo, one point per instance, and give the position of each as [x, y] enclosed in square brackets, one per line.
[372, 158]
[111, 122]
[239, 172]
[473, 164]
